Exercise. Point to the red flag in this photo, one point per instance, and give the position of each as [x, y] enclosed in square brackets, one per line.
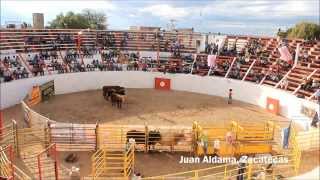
[285, 54]
[212, 60]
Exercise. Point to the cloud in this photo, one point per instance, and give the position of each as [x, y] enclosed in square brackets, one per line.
[25, 8]
[251, 16]
[166, 11]
[262, 8]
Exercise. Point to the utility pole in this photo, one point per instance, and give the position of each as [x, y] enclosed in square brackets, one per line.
[172, 24]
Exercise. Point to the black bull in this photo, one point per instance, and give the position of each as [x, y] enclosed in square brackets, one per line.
[108, 90]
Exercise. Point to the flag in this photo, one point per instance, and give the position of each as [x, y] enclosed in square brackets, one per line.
[315, 120]
[285, 54]
[286, 137]
[212, 60]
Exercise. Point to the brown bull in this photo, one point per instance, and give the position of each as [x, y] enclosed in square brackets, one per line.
[117, 99]
[108, 90]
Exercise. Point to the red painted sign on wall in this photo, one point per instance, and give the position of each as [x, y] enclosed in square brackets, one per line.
[273, 105]
[162, 83]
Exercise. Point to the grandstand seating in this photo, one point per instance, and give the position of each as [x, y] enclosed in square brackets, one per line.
[262, 68]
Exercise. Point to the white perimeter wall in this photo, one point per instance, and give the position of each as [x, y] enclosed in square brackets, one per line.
[13, 92]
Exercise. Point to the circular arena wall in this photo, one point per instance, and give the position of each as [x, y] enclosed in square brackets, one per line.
[290, 106]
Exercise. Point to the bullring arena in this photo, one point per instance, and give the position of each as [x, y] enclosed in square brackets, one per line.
[58, 125]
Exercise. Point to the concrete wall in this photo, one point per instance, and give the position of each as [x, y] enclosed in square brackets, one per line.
[13, 92]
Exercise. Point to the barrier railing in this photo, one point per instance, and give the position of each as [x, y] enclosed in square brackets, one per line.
[98, 162]
[27, 138]
[247, 171]
[19, 174]
[6, 165]
[308, 140]
[254, 132]
[73, 137]
[234, 139]
[8, 135]
[128, 166]
[225, 171]
[106, 164]
[48, 163]
[296, 150]
[115, 137]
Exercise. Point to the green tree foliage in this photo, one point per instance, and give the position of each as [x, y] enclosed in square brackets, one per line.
[86, 19]
[303, 30]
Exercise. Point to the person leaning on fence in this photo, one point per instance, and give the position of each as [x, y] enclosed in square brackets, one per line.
[216, 147]
[130, 142]
[204, 142]
[241, 171]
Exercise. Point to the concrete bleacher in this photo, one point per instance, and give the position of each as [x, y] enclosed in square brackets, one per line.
[154, 44]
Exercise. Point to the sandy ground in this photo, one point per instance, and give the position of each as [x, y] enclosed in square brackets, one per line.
[146, 106]
[154, 108]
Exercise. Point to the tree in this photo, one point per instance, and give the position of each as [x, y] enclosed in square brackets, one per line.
[86, 19]
[303, 30]
[97, 20]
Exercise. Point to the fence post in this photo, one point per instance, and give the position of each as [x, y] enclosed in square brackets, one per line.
[125, 164]
[249, 171]
[1, 125]
[97, 136]
[196, 136]
[146, 130]
[11, 160]
[104, 159]
[196, 175]
[39, 167]
[225, 171]
[56, 161]
[15, 137]
[133, 157]
[47, 134]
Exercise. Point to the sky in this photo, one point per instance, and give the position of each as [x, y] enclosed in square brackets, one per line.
[250, 17]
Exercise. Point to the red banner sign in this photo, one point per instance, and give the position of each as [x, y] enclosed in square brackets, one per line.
[162, 83]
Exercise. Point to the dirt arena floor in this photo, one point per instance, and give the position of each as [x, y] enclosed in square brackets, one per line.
[154, 108]
[146, 106]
